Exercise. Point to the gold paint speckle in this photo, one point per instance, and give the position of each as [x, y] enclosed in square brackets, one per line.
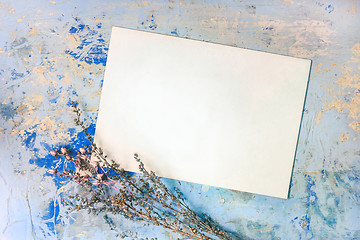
[343, 137]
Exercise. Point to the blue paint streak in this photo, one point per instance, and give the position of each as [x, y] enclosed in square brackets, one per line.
[29, 139]
[73, 30]
[7, 111]
[313, 203]
[52, 217]
[81, 27]
[92, 48]
[329, 8]
[175, 32]
[74, 93]
[150, 22]
[47, 161]
[15, 75]
[54, 100]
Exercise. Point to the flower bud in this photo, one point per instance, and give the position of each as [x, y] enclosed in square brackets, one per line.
[82, 150]
[67, 157]
[53, 153]
[63, 150]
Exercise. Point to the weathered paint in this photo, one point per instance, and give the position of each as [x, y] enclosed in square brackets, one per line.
[53, 52]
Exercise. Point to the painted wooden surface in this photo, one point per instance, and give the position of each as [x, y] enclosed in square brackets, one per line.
[52, 52]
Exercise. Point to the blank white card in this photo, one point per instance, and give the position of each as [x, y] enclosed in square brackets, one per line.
[202, 112]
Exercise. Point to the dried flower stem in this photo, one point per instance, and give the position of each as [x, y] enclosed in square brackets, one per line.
[145, 198]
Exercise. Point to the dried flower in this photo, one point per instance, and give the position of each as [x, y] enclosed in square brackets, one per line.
[141, 197]
[94, 163]
[52, 171]
[96, 182]
[63, 150]
[65, 174]
[53, 153]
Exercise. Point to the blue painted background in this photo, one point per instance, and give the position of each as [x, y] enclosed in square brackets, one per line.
[53, 52]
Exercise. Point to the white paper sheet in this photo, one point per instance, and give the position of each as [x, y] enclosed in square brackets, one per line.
[202, 112]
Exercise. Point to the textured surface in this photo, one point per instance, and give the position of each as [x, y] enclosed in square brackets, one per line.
[52, 52]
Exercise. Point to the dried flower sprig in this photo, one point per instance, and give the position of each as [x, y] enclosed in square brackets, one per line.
[140, 197]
